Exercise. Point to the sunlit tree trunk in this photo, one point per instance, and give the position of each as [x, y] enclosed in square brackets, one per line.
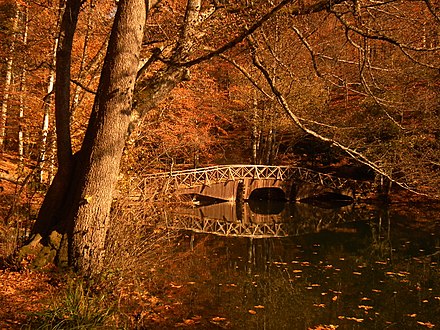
[22, 90]
[8, 81]
[105, 137]
[48, 103]
[255, 138]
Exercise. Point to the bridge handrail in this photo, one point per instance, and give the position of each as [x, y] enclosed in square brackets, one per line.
[210, 169]
[226, 170]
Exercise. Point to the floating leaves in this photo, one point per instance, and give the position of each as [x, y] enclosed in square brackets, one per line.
[351, 318]
[324, 327]
[426, 324]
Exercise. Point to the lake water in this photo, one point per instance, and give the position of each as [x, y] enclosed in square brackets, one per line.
[298, 266]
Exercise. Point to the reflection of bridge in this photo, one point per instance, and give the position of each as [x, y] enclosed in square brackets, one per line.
[221, 219]
[236, 182]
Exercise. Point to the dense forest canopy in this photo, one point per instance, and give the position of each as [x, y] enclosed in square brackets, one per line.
[216, 82]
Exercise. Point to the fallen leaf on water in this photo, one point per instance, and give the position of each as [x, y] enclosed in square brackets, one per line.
[251, 311]
[319, 305]
[335, 298]
[426, 324]
[324, 327]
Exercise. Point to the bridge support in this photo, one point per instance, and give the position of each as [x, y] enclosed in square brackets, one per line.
[226, 191]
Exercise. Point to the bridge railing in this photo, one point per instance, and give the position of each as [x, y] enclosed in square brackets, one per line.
[224, 173]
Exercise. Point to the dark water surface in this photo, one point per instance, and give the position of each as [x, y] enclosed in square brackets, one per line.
[301, 266]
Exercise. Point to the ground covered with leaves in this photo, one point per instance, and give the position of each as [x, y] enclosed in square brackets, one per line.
[23, 293]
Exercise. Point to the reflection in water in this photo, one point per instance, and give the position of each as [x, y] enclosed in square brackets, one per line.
[352, 269]
[273, 219]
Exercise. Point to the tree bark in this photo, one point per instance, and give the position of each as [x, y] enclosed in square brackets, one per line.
[8, 81]
[105, 137]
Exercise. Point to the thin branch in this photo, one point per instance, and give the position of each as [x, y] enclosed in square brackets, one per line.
[76, 82]
[368, 34]
[154, 56]
[432, 9]
[247, 75]
[313, 8]
[309, 48]
[351, 152]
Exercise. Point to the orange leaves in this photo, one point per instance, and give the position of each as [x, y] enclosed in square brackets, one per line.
[324, 327]
[429, 325]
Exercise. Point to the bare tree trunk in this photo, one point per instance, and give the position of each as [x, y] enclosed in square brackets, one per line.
[50, 216]
[75, 99]
[46, 114]
[255, 134]
[8, 81]
[22, 91]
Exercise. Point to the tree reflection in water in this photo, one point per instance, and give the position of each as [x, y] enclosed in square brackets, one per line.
[351, 268]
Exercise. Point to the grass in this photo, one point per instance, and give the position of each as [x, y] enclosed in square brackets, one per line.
[78, 308]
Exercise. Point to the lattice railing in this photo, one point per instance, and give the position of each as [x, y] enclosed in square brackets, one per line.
[225, 173]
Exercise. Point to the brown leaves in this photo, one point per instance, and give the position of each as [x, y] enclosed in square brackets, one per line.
[21, 293]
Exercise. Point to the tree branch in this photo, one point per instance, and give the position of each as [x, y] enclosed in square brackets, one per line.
[313, 8]
[351, 152]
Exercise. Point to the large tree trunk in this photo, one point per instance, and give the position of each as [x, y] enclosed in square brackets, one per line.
[104, 142]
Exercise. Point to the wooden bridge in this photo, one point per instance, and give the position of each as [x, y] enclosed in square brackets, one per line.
[241, 182]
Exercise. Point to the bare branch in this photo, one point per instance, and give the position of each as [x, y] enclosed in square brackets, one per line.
[351, 152]
[432, 9]
[76, 82]
[313, 8]
[309, 48]
[247, 75]
[368, 33]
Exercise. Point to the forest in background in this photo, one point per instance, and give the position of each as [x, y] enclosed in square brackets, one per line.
[377, 96]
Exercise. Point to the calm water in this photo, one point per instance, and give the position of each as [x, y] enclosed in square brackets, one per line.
[300, 266]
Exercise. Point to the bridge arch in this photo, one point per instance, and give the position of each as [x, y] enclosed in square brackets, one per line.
[268, 193]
